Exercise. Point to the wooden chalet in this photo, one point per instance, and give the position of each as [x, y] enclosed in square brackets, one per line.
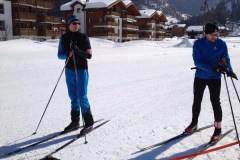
[130, 27]
[110, 19]
[31, 19]
[160, 23]
[151, 25]
[179, 30]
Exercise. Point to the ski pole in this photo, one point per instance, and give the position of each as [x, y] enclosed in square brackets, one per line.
[235, 90]
[52, 94]
[231, 107]
[78, 91]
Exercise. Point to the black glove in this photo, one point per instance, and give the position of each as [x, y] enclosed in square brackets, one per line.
[219, 69]
[232, 75]
[73, 46]
[81, 53]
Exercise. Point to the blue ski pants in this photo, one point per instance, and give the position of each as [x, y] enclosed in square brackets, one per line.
[82, 100]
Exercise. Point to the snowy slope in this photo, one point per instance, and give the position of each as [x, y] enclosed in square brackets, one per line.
[144, 87]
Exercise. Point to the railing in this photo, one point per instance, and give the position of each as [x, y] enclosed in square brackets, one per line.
[44, 5]
[130, 26]
[130, 35]
[25, 16]
[129, 16]
[50, 19]
[27, 32]
[34, 3]
[112, 13]
[105, 34]
[24, 2]
[103, 24]
[50, 33]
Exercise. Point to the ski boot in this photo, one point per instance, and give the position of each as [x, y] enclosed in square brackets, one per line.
[191, 128]
[216, 135]
[88, 120]
[75, 121]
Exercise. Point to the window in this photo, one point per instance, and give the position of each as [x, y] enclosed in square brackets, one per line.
[2, 25]
[1, 9]
[78, 10]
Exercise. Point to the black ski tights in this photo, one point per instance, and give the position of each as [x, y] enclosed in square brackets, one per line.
[214, 86]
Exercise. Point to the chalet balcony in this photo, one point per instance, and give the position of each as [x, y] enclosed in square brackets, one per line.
[24, 2]
[112, 14]
[129, 17]
[160, 37]
[25, 32]
[24, 16]
[130, 27]
[44, 4]
[151, 22]
[135, 36]
[105, 24]
[105, 35]
[50, 33]
[146, 29]
[50, 19]
[161, 30]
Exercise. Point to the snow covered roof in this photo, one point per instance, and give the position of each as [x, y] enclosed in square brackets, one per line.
[90, 4]
[160, 13]
[195, 28]
[67, 6]
[181, 25]
[147, 13]
[127, 2]
[99, 3]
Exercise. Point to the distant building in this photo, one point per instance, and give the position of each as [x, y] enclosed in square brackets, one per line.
[116, 20]
[179, 30]
[194, 32]
[113, 20]
[5, 20]
[31, 19]
[151, 25]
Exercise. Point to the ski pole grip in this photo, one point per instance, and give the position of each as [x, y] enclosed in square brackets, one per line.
[194, 68]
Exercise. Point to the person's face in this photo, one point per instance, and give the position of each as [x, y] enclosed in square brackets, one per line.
[213, 36]
[74, 26]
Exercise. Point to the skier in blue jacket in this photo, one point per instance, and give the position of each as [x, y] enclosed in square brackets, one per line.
[208, 52]
[75, 48]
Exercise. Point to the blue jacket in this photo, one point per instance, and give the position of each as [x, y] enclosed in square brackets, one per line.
[206, 55]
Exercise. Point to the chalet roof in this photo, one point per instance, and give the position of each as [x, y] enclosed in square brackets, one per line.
[147, 13]
[195, 28]
[67, 6]
[90, 4]
[181, 25]
[127, 2]
[131, 7]
[100, 3]
[160, 13]
[162, 16]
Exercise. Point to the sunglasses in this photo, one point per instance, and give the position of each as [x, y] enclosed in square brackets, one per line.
[75, 23]
[214, 35]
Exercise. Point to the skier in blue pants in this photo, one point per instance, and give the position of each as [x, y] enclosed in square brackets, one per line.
[76, 47]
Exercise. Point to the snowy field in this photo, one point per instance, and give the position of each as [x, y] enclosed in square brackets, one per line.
[143, 87]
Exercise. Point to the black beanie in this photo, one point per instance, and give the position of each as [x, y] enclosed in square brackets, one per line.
[211, 28]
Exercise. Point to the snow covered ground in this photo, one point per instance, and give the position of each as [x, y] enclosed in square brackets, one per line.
[143, 87]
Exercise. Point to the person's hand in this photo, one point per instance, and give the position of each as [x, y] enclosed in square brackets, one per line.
[218, 69]
[72, 46]
[70, 54]
[232, 75]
